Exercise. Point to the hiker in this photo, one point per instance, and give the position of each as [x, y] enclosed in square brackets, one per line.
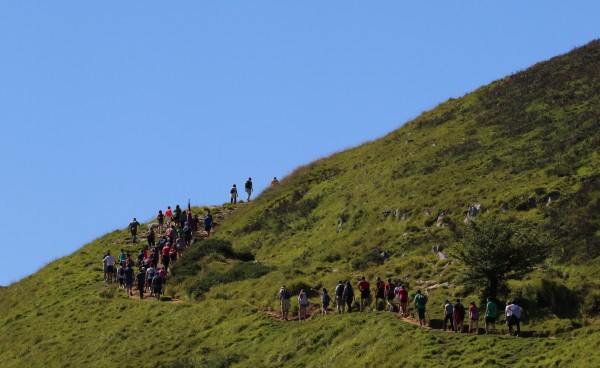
[284, 299]
[128, 261]
[459, 316]
[162, 273]
[448, 315]
[182, 219]
[133, 227]
[208, 222]
[420, 301]
[141, 282]
[491, 311]
[365, 292]
[325, 300]
[348, 296]
[109, 267]
[169, 215]
[513, 317]
[141, 256]
[150, 272]
[473, 317]
[122, 256]
[181, 244]
[194, 224]
[161, 221]
[150, 237]
[128, 280]
[303, 303]
[157, 282]
[389, 293]
[166, 259]
[187, 234]
[176, 214]
[274, 182]
[379, 292]
[121, 274]
[233, 194]
[339, 297]
[248, 188]
[402, 300]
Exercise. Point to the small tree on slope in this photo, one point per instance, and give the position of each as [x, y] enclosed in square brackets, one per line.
[493, 252]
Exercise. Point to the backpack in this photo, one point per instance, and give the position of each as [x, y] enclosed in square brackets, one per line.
[339, 290]
[156, 281]
[285, 294]
[475, 313]
[421, 299]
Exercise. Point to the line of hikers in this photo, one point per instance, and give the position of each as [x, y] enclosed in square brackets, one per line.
[390, 293]
[180, 231]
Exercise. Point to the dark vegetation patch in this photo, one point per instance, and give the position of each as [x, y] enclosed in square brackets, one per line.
[188, 265]
[239, 272]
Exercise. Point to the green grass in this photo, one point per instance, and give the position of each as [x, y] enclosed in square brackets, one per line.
[511, 142]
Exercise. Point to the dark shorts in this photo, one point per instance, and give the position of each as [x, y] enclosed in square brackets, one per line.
[128, 283]
[110, 269]
[490, 319]
[421, 313]
[365, 294]
[207, 229]
[380, 294]
[390, 297]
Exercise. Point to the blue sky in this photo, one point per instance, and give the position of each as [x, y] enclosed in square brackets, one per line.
[115, 109]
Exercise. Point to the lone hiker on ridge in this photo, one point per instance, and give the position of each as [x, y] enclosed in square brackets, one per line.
[248, 188]
[133, 227]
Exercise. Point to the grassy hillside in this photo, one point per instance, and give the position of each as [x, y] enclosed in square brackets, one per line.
[524, 147]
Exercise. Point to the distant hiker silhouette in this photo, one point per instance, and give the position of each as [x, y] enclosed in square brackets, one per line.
[248, 188]
[233, 194]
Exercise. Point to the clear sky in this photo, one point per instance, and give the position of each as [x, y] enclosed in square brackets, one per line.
[115, 109]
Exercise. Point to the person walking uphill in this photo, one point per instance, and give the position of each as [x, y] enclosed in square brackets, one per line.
[365, 292]
[284, 299]
[303, 305]
[208, 223]
[248, 188]
[348, 296]
[133, 227]
[233, 194]
[339, 297]
[420, 301]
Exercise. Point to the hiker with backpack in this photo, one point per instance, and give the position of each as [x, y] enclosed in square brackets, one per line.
[151, 238]
[128, 271]
[157, 283]
[473, 317]
[389, 294]
[339, 297]
[121, 274]
[348, 296]
[248, 188]
[325, 300]
[161, 221]
[233, 194]
[150, 272]
[448, 315]
[402, 300]
[176, 215]
[141, 282]
[420, 302]
[284, 300]
[133, 227]
[208, 223]
[274, 182]
[459, 316]
[379, 292]
[365, 292]
[303, 305]
[491, 312]
[166, 258]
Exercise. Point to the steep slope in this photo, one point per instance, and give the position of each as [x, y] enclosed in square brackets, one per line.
[524, 146]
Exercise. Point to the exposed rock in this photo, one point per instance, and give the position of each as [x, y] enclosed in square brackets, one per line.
[404, 216]
[436, 286]
[473, 211]
[442, 256]
[440, 219]
[410, 141]
[504, 206]
[427, 213]
[385, 254]
[386, 213]
[437, 248]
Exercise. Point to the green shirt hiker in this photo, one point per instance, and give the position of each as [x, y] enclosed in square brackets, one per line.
[491, 310]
